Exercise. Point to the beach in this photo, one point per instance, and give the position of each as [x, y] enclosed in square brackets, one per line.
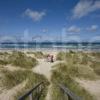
[46, 69]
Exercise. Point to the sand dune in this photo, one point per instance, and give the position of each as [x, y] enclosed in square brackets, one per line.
[9, 94]
[92, 87]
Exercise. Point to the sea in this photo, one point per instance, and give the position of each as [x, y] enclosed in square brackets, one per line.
[51, 45]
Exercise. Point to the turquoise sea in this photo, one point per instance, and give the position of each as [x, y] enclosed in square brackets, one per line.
[47, 45]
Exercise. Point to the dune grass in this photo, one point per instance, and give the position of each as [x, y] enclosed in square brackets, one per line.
[4, 53]
[65, 74]
[33, 79]
[96, 54]
[37, 54]
[3, 58]
[11, 79]
[96, 67]
[61, 56]
[3, 62]
[19, 59]
[80, 71]
[76, 65]
[74, 57]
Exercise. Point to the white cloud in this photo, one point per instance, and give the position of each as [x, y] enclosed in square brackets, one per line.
[93, 28]
[84, 7]
[73, 29]
[34, 15]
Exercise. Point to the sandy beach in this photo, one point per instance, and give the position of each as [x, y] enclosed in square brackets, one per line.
[45, 68]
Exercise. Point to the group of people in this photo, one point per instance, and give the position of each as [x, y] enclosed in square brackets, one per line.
[50, 58]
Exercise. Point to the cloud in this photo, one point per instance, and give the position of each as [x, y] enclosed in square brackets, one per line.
[34, 15]
[73, 29]
[84, 7]
[93, 28]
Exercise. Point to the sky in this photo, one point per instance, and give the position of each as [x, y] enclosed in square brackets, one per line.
[50, 19]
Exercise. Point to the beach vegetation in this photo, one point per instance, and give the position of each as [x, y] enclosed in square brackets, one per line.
[96, 67]
[76, 65]
[12, 79]
[65, 74]
[37, 54]
[19, 59]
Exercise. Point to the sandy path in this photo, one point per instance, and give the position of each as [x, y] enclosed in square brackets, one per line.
[45, 68]
[9, 94]
[92, 86]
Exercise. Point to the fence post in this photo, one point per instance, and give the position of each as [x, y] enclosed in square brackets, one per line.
[31, 97]
[69, 98]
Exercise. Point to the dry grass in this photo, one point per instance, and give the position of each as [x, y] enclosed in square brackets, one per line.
[10, 79]
[77, 65]
[37, 54]
[19, 59]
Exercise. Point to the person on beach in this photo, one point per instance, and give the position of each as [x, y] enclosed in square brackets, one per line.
[52, 58]
[48, 58]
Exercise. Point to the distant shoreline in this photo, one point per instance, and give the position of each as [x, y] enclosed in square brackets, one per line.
[50, 46]
[46, 50]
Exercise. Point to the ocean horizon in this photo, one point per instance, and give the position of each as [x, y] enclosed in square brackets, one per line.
[50, 45]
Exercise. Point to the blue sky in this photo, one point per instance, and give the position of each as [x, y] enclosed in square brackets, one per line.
[49, 18]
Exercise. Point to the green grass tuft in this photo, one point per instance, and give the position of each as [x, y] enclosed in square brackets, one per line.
[19, 59]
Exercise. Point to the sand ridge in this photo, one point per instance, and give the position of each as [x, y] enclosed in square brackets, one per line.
[93, 87]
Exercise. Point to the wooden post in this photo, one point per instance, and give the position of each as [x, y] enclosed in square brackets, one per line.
[69, 98]
[30, 97]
